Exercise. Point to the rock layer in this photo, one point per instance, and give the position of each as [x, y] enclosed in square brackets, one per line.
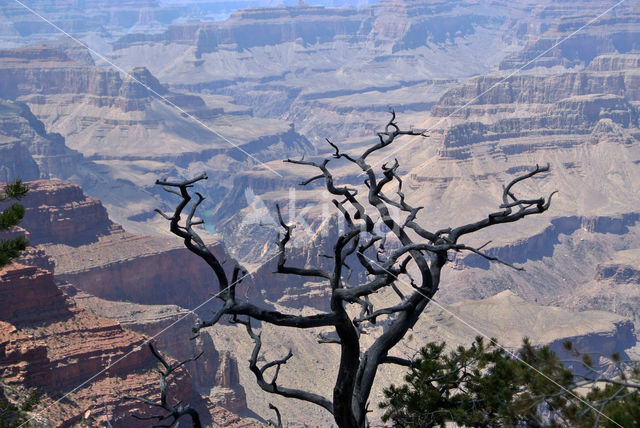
[214, 374]
[50, 344]
[58, 211]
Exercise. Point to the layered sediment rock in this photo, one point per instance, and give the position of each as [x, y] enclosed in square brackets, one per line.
[44, 70]
[276, 25]
[31, 296]
[116, 265]
[28, 151]
[58, 211]
[214, 374]
[50, 344]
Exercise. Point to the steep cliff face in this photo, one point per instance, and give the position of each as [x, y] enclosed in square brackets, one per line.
[50, 344]
[31, 296]
[141, 269]
[29, 152]
[214, 374]
[98, 255]
[617, 31]
[276, 25]
[58, 211]
[119, 266]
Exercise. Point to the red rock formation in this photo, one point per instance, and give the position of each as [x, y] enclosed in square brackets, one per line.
[213, 375]
[115, 265]
[58, 211]
[29, 295]
[48, 343]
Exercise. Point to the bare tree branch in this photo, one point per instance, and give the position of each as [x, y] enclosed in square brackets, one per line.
[272, 386]
[359, 250]
[172, 412]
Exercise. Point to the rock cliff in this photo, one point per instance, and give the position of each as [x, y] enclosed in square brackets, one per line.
[141, 269]
[214, 374]
[50, 344]
[98, 257]
[29, 152]
[58, 211]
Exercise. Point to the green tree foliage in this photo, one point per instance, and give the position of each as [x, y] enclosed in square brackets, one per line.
[9, 217]
[15, 414]
[484, 385]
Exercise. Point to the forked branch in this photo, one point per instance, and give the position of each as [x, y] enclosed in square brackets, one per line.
[172, 412]
[380, 259]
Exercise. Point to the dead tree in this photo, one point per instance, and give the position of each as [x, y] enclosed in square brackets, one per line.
[171, 413]
[424, 250]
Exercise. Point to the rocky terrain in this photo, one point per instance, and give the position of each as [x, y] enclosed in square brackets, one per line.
[58, 211]
[119, 266]
[133, 128]
[214, 374]
[50, 344]
[495, 84]
[220, 375]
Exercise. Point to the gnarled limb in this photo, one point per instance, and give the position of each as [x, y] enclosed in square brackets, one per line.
[172, 412]
[273, 386]
[360, 249]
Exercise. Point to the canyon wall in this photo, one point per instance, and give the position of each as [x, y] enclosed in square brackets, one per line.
[113, 267]
[29, 152]
[53, 343]
[58, 211]
[50, 344]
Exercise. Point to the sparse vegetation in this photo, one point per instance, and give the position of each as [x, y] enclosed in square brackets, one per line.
[9, 217]
[14, 411]
[484, 385]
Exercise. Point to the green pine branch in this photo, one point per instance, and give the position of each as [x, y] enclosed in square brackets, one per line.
[9, 217]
